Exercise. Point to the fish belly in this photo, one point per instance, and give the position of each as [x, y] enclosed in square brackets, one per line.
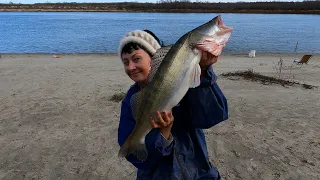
[182, 84]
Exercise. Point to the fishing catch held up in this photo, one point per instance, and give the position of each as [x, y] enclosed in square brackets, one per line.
[173, 71]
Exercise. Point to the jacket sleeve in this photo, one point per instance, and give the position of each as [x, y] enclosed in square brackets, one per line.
[157, 145]
[207, 104]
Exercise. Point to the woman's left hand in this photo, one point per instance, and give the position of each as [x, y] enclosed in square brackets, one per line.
[207, 59]
[164, 122]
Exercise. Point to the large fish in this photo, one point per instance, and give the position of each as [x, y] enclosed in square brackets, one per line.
[173, 71]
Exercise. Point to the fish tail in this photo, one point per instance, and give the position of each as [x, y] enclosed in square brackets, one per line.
[138, 149]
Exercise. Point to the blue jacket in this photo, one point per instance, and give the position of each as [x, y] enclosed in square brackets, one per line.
[187, 156]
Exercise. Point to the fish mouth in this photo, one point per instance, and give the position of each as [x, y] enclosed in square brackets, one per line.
[214, 27]
[222, 26]
[214, 36]
[218, 28]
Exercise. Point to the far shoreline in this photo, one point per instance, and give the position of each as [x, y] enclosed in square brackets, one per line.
[311, 12]
[168, 6]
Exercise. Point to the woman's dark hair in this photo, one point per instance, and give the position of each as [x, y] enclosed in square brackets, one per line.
[153, 35]
[132, 46]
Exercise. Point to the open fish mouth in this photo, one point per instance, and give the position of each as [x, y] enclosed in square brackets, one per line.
[214, 38]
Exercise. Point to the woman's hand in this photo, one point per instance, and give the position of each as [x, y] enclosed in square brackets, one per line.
[163, 121]
[207, 59]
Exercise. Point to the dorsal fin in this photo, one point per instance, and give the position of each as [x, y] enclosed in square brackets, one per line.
[135, 102]
[156, 61]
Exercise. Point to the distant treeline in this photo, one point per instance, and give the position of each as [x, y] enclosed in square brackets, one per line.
[305, 7]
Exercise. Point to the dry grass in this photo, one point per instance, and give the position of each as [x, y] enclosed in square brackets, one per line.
[254, 76]
[117, 97]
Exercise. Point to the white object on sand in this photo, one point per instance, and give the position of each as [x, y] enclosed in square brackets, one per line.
[252, 53]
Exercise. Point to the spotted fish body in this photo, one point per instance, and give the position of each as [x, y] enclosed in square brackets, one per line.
[173, 71]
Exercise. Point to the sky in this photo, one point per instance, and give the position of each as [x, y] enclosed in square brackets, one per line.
[80, 1]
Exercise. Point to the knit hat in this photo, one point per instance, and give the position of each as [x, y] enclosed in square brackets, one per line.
[142, 38]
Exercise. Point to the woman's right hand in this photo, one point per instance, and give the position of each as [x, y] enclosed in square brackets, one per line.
[163, 121]
[207, 60]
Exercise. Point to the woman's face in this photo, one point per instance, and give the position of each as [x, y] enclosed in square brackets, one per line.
[137, 65]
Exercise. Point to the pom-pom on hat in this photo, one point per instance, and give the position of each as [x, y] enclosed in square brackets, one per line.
[142, 38]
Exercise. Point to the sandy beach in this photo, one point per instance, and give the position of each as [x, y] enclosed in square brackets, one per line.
[58, 122]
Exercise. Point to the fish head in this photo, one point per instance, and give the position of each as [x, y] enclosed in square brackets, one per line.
[211, 36]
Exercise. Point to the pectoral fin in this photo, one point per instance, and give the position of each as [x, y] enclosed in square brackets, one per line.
[195, 76]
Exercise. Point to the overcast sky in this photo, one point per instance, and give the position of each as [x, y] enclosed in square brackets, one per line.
[41, 1]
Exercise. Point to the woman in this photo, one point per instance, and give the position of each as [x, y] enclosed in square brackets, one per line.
[175, 150]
